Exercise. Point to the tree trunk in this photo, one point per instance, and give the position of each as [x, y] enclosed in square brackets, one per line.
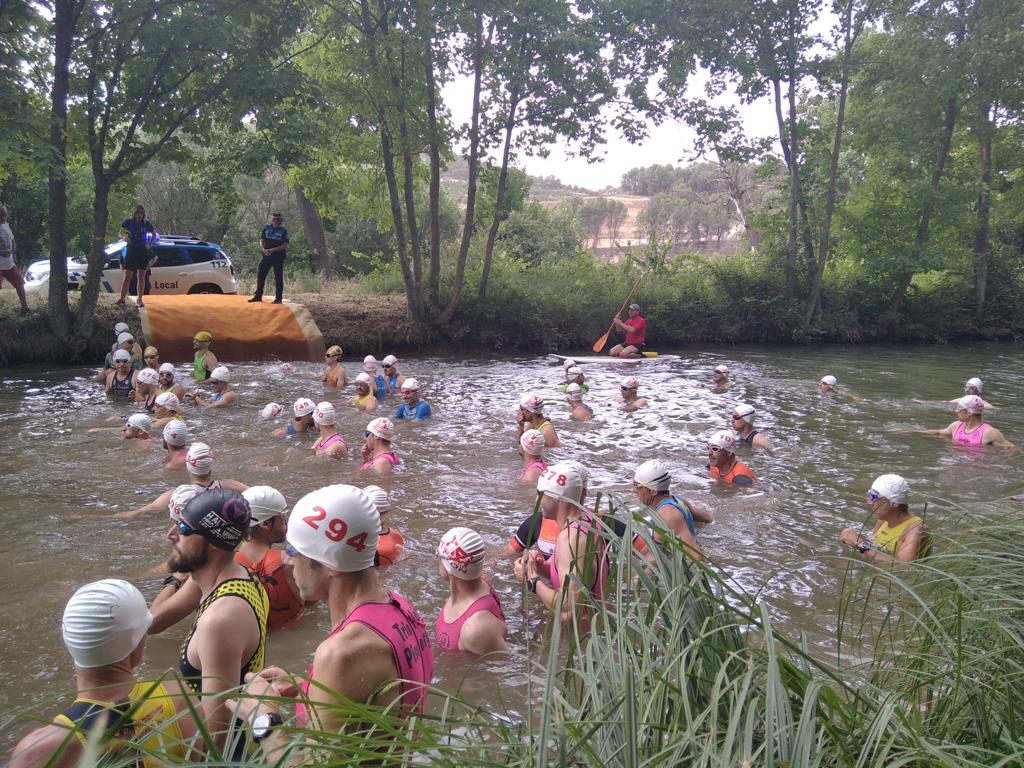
[474, 162]
[313, 227]
[499, 204]
[951, 113]
[66, 13]
[739, 201]
[814, 299]
[794, 192]
[985, 131]
[434, 154]
[97, 258]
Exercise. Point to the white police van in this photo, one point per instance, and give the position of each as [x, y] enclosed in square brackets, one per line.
[184, 264]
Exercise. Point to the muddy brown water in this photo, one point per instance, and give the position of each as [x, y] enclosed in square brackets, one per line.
[62, 484]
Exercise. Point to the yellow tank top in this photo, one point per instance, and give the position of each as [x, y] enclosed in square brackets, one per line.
[887, 538]
[149, 720]
[360, 401]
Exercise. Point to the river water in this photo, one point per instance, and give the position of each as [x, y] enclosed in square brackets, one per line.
[62, 484]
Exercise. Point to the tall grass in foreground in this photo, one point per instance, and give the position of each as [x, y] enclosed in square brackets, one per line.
[681, 668]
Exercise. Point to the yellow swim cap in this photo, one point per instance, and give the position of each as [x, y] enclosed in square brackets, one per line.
[334, 351]
[203, 337]
[151, 352]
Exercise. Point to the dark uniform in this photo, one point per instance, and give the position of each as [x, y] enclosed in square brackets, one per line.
[272, 237]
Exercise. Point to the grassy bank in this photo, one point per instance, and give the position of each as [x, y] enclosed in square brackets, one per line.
[682, 668]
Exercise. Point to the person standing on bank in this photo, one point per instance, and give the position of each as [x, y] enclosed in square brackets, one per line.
[635, 329]
[274, 247]
[8, 268]
[139, 256]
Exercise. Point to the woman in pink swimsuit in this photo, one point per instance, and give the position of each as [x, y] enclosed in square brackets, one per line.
[377, 454]
[531, 446]
[969, 430]
[471, 619]
[330, 443]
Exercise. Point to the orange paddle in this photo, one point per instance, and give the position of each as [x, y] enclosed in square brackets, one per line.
[599, 344]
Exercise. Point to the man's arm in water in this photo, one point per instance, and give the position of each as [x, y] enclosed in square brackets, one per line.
[157, 504]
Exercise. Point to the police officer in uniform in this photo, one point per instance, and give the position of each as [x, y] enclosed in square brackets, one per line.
[274, 246]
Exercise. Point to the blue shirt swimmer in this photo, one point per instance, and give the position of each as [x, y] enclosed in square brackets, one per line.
[412, 408]
[372, 369]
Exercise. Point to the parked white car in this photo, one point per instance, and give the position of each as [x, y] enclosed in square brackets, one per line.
[184, 265]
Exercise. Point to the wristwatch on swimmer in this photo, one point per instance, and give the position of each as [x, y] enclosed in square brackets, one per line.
[262, 725]
[531, 584]
[863, 547]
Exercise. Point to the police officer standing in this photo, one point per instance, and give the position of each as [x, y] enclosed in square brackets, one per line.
[274, 246]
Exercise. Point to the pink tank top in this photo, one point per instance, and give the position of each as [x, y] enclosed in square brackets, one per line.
[397, 623]
[449, 633]
[532, 465]
[390, 456]
[973, 438]
[335, 438]
[586, 527]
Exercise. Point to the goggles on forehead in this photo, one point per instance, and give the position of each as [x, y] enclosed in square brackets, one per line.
[874, 495]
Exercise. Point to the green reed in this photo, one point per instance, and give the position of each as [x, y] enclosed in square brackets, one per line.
[681, 667]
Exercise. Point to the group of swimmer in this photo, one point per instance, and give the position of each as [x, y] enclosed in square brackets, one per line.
[228, 571]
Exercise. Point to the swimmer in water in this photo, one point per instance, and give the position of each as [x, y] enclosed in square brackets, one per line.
[827, 384]
[530, 415]
[973, 386]
[392, 543]
[969, 430]
[303, 422]
[166, 408]
[377, 383]
[629, 400]
[898, 536]
[175, 436]
[329, 444]
[271, 411]
[471, 619]
[365, 399]
[147, 387]
[220, 381]
[719, 380]
[412, 407]
[743, 422]
[334, 374]
[205, 361]
[723, 464]
[137, 427]
[378, 455]
[167, 381]
[574, 375]
[121, 380]
[651, 483]
[531, 446]
[579, 410]
[392, 378]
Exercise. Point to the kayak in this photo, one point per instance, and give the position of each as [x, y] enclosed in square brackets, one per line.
[608, 359]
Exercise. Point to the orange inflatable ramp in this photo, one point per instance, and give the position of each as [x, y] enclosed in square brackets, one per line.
[241, 331]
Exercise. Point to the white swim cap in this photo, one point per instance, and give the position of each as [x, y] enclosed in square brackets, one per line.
[122, 356]
[461, 552]
[120, 328]
[829, 380]
[140, 421]
[338, 526]
[584, 472]
[574, 391]
[221, 373]
[324, 414]
[892, 487]
[653, 475]
[124, 337]
[568, 363]
[532, 403]
[303, 407]
[147, 376]
[722, 369]
[745, 412]
[104, 622]
[562, 481]
[180, 497]
[166, 367]
[287, 367]
[270, 411]
[264, 503]
[370, 363]
[364, 378]
[630, 382]
[724, 439]
[176, 432]
[389, 361]
[410, 383]
[971, 403]
[199, 459]
[382, 427]
[168, 400]
[572, 373]
[532, 442]
[379, 497]
[976, 383]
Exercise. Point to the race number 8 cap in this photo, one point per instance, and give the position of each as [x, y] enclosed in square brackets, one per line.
[461, 552]
[562, 481]
[303, 407]
[337, 526]
[654, 475]
[104, 622]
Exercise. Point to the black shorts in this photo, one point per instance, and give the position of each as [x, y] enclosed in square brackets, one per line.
[638, 347]
[137, 258]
